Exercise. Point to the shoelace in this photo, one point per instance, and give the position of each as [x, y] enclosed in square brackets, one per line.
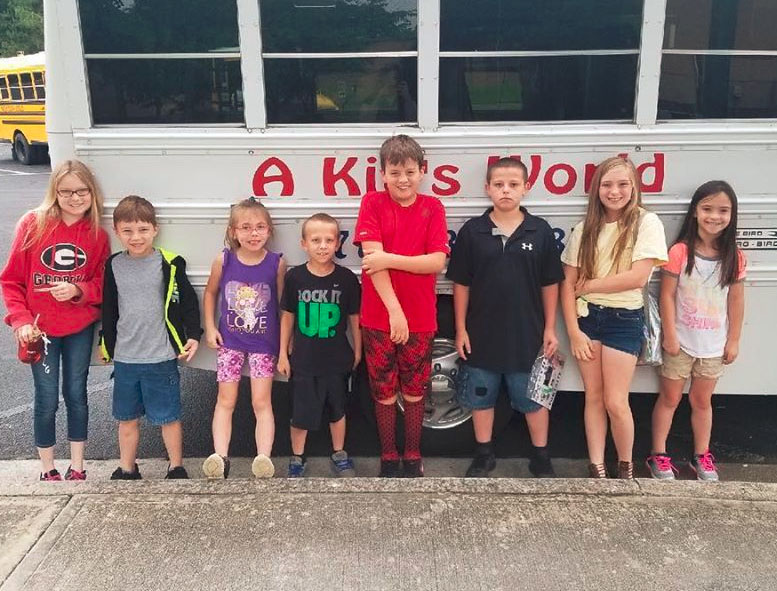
[707, 462]
[344, 464]
[664, 463]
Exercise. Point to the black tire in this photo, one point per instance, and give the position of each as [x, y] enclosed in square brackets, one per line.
[24, 151]
[40, 154]
[14, 156]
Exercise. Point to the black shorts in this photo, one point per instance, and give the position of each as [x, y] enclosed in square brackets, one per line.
[310, 395]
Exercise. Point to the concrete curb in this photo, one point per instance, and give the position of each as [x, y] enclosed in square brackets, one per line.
[23, 487]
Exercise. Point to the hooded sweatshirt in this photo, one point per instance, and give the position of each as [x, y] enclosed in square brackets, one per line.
[75, 254]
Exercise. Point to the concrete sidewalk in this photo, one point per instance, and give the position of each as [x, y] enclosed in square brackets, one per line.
[369, 533]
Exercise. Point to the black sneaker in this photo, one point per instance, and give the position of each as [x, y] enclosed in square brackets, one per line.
[389, 469]
[481, 466]
[177, 473]
[120, 474]
[413, 468]
[539, 464]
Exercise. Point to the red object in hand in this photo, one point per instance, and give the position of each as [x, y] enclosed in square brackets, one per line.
[32, 351]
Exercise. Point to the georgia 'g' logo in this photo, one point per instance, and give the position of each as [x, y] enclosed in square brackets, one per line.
[63, 257]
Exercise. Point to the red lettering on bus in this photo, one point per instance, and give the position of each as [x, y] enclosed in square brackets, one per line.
[283, 176]
[331, 177]
[369, 175]
[550, 179]
[453, 184]
[658, 174]
[534, 166]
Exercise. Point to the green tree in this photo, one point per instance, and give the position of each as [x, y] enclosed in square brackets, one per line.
[21, 26]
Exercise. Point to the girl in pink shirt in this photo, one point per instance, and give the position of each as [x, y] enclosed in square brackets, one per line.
[702, 308]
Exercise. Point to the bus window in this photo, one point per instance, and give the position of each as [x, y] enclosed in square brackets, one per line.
[554, 88]
[40, 87]
[127, 26]
[167, 86]
[546, 25]
[139, 91]
[337, 26]
[702, 76]
[562, 74]
[313, 73]
[13, 84]
[28, 90]
[4, 94]
[341, 90]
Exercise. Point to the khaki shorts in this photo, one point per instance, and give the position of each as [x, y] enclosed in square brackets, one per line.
[682, 366]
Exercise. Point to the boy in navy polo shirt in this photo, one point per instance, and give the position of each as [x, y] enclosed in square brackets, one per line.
[506, 268]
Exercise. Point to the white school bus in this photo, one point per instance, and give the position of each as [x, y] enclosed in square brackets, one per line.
[289, 101]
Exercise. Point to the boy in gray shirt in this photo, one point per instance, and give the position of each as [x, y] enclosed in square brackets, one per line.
[151, 319]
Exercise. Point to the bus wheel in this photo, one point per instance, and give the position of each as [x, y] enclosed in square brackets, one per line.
[14, 156]
[24, 152]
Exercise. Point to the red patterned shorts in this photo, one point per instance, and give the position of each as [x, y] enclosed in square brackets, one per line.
[397, 368]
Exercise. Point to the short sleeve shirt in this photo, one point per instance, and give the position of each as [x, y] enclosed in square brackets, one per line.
[414, 230]
[141, 333]
[651, 244]
[505, 316]
[321, 307]
[701, 304]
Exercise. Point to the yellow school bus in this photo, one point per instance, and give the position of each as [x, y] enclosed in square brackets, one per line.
[23, 107]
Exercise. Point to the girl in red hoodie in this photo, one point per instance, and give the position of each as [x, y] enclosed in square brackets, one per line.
[52, 284]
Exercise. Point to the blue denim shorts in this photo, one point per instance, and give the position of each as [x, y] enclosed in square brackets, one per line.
[478, 389]
[616, 328]
[151, 389]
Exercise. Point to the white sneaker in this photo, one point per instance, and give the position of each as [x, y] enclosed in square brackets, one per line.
[262, 467]
[215, 467]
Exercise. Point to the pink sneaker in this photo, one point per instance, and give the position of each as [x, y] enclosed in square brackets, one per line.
[704, 466]
[661, 467]
[75, 474]
[51, 476]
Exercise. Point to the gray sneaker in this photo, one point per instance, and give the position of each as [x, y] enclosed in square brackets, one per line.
[661, 467]
[342, 465]
[296, 467]
[704, 466]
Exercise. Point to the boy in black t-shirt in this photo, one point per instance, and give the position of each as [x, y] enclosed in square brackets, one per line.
[320, 300]
[505, 267]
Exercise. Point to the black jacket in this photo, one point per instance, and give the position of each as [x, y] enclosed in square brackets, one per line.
[182, 308]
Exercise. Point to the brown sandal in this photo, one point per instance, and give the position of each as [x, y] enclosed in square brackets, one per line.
[626, 470]
[597, 471]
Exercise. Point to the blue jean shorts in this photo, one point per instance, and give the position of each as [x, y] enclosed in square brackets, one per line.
[151, 389]
[478, 389]
[616, 328]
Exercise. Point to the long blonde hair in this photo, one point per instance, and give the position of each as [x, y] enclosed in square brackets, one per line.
[49, 209]
[595, 219]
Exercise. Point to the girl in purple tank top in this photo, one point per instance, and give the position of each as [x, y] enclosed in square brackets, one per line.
[249, 279]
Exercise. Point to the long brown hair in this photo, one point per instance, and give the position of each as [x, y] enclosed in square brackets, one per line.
[725, 244]
[49, 209]
[595, 219]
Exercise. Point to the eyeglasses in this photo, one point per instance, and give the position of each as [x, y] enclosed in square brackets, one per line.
[67, 194]
[249, 229]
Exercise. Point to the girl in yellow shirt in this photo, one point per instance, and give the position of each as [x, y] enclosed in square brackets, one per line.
[608, 260]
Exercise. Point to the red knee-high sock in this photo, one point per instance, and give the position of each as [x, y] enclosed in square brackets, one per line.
[386, 415]
[414, 419]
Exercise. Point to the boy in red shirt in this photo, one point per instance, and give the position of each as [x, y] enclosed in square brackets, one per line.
[404, 239]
